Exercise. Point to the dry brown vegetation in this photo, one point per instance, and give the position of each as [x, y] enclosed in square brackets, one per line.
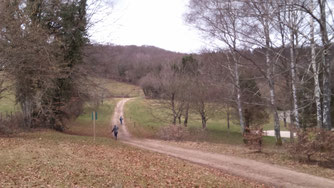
[48, 158]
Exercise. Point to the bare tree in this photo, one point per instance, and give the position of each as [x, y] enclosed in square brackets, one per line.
[220, 21]
[316, 70]
[171, 91]
[41, 47]
[320, 11]
[263, 14]
[293, 26]
[29, 58]
[326, 62]
[201, 98]
[243, 24]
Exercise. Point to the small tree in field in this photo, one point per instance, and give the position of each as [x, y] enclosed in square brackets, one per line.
[188, 70]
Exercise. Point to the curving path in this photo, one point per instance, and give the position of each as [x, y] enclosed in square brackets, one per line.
[250, 169]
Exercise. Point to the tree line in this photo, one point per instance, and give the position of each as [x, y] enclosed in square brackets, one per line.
[292, 40]
[127, 63]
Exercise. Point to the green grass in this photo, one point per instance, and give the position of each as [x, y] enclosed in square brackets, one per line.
[270, 124]
[7, 103]
[120, 89]
[116, 89]
[83, 125]
[7, 98]
[142, 120]
[146, 117]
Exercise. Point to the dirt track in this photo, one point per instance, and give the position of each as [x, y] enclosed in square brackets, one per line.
[258, 171]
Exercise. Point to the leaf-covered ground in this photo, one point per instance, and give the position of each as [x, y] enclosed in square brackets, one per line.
[48, 158]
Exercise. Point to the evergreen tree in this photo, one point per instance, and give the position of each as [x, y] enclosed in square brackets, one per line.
[42, 43]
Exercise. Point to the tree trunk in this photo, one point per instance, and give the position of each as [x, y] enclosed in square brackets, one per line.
[292, 139]
[228, 118]
[315, 67]
[201, 111]
[274, 111]
[185, 123]
[237, 85]
[203, 120]
[26, 107]
[173, 108]
[327, 121]
[174, 120]
[293, 72]
[271, 84]
[291, 127]
[284, 118]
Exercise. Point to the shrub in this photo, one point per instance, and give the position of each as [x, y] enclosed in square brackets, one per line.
[253, 138]
[198, 134]
[173, 132]
[316, 143]
[4, 129]
[10, 125]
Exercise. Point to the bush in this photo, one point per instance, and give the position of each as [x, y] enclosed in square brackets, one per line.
[4, 129]
[11, 125]
[316, 143]
[253, 138]
[173, 132]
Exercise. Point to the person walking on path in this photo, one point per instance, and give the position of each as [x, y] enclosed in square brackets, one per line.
[121, 120]
[115, 130]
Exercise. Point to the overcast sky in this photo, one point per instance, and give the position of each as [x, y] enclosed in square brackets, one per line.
[146, 22]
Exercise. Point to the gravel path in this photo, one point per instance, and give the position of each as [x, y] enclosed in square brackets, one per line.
[258, 171]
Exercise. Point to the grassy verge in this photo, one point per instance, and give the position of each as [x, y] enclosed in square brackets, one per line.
[83, 125]
[140, 118]
[48, 158]
[145, 117]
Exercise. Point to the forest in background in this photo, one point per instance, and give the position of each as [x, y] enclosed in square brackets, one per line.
[161, 73]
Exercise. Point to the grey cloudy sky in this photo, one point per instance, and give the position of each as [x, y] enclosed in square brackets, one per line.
[146, 22]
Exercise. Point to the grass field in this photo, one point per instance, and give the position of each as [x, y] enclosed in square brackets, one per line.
[7, 103]
[52, 159]
[149, 117]
[84, 124]
[121, 90]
